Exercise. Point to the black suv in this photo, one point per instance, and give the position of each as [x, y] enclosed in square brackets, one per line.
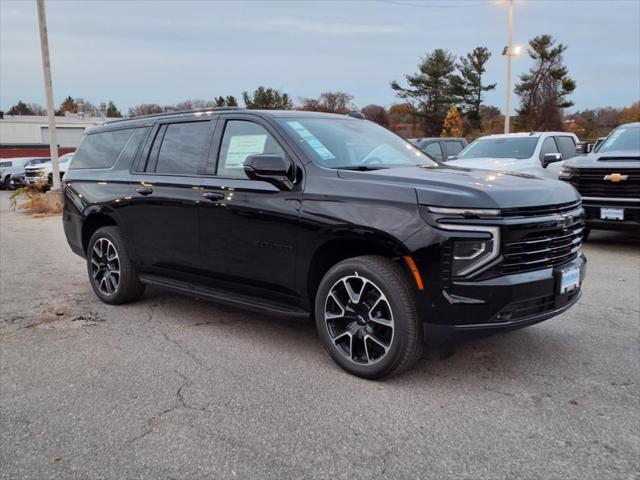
[324, 216]
[609, 180]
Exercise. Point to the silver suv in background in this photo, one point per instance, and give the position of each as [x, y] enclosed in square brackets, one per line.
[536, 153]
[440, 148]
[12, 170]
[42, 173]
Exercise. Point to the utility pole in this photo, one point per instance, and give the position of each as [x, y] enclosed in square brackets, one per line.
[507, 106]
[48, 89]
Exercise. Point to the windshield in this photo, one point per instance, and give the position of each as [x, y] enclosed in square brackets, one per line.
[624, 139]
[352, 144]
[500, 147]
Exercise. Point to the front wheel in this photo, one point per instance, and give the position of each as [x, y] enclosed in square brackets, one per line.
[6, 184]
[366, 317]
[113, 276]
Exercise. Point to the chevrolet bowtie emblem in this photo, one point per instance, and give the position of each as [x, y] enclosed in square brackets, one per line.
[616, 177]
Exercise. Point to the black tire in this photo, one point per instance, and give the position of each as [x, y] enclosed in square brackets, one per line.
[128, 287]
[380, 275]
[6, 184]
[585, 234]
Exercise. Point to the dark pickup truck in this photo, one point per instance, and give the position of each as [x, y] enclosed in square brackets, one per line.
[609, 181]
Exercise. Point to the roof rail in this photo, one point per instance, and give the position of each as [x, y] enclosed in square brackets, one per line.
[177, 112]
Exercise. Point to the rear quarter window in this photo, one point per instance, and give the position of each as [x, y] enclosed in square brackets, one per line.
[102, 149]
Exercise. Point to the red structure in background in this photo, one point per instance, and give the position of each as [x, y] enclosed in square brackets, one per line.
[15, 150]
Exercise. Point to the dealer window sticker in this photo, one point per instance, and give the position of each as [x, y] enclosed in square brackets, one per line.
[312, 141]
[241, 146]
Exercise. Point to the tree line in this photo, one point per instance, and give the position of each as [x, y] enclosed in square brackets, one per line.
[445, 97]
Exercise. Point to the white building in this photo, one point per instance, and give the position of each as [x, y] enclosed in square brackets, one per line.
[34, 129]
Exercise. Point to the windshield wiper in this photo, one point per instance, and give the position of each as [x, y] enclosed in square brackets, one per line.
[360, 168]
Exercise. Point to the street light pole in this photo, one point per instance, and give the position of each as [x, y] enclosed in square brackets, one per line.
[507, 106]
[48, 88]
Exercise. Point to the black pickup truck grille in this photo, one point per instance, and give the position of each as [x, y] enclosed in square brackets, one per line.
[540, 248]
[590, 182]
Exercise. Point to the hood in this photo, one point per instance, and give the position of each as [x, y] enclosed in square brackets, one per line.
[447, 186]
[616, 159]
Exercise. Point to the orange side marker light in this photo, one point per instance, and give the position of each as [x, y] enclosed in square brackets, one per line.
[415, 272]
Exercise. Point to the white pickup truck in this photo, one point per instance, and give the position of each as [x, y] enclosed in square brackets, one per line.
[536, 153]
[42, 173]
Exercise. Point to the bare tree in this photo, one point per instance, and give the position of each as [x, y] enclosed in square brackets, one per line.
[192, 104]
[376, 114]
[329, 102]
[145, 109]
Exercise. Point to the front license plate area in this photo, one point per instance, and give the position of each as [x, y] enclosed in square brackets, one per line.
[612, 213]
[569, 279]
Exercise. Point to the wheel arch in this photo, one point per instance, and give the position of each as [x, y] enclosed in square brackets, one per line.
[93, 222]
[349, 245]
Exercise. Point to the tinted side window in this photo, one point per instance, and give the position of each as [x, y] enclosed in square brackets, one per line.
[184, 148]
[567, 146]
[433, 150]
[133, 145]
[241, 139]
[548, 146]
[100, 150]
[452, 147]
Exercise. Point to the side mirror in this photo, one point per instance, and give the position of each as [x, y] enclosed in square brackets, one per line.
[551, 158]
[589, 147]
[270, 168]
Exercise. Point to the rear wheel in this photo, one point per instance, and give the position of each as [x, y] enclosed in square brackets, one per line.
[114, 278]
[366, 317]
[6, 184]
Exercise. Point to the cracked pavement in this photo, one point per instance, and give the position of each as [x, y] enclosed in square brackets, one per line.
[176, 388]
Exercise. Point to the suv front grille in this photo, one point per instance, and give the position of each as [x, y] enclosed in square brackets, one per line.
[540, 249]
[590, 182]
[34, 173]
[539, 211]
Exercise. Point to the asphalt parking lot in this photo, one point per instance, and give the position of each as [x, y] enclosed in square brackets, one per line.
[176, 388]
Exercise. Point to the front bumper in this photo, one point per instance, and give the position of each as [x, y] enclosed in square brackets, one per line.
[630, 206]
[35, 180]
[505, 302]
[17, 181]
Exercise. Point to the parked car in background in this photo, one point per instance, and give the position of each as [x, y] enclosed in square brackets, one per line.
[440, 148]
[597, 143]
[536, 153]
[609, 180]
[42, 173]
[12, 176]
[321, 216]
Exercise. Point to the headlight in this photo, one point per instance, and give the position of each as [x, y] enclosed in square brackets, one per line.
[471, 254]
[466, 212]
[566, 173]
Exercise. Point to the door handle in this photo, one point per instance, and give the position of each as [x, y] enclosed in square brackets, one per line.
[213, 196]
[145, 191]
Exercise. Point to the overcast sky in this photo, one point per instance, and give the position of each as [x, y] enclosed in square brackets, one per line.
[167, 51]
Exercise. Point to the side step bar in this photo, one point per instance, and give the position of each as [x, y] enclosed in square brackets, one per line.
[223, 296]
